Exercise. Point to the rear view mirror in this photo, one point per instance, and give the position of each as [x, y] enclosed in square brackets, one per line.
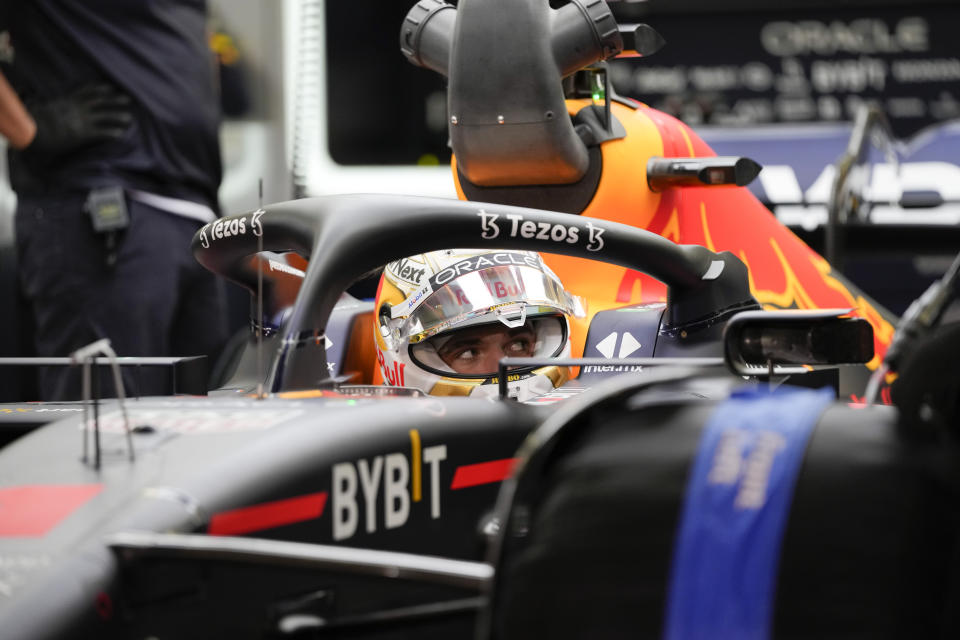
[789, 342]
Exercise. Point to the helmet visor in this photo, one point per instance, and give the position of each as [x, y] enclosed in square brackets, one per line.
[512, 292]
[475, 351]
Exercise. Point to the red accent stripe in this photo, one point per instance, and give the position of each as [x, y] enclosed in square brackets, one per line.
[471, 475]
[268, 515]
[30, 511]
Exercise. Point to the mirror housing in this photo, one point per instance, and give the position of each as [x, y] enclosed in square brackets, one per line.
[790, 342]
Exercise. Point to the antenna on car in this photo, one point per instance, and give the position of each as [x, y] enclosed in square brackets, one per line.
[260, 303]
[87, 357]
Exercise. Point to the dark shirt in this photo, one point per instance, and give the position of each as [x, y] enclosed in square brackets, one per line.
[156, 51]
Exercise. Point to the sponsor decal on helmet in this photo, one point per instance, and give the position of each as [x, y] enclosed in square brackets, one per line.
[392, 376]
[407, 270]
[512, 377]
[520, 227]
[412, 302]
[469, 265]
[485, 261]
[497, 289]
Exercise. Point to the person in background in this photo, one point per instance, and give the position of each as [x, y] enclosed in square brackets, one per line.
[112, 114]
[16, 125]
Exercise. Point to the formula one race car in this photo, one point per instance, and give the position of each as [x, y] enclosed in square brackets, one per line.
[685, 484]
[231, 515]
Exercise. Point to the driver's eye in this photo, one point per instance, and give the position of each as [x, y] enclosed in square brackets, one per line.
[467, 355]
[519, 346]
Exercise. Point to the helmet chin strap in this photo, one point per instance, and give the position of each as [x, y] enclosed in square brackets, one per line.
[513, 323]
[390, 335]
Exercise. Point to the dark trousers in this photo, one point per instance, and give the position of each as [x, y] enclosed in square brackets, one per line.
[156, 300]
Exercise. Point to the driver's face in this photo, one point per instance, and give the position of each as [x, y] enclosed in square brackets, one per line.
[478, 350]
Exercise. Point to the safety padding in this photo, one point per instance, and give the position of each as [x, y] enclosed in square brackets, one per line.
[359, 362]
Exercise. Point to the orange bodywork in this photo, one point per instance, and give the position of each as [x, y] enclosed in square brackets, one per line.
[784, 272]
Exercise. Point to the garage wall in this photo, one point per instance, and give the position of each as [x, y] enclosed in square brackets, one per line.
[254, 144]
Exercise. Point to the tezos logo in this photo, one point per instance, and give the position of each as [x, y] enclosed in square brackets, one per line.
[488, 225]
[255, 222]
[227, 227]
[519, 227]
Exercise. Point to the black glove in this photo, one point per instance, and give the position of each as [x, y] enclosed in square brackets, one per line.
[93, 113]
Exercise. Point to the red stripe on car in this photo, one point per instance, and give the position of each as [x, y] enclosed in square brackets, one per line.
[30, 511]
[268, 515]
[471, 475]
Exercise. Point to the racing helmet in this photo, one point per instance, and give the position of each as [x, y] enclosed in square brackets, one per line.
[445, 318]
